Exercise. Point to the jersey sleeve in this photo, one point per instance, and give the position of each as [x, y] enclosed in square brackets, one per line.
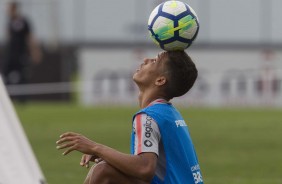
[147, 135]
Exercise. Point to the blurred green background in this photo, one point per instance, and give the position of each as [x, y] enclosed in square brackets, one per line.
[233, 145]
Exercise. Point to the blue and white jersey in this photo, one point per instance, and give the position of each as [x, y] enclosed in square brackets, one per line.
[159, 128]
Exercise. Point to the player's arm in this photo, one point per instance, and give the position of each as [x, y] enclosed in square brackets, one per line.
[33, 44]
[140, 166]
[34, 48]
[7, 34]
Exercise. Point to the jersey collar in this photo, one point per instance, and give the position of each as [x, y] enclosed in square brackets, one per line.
[159, 101]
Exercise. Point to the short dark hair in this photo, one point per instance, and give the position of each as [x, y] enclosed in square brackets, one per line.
[181, 73]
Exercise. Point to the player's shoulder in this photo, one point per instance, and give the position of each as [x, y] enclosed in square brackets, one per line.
[159, 109]
[143, 118]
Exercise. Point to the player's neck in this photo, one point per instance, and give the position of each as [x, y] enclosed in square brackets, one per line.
[146, 97]
[15, 17]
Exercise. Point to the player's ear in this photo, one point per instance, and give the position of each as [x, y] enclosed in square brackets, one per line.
[160, 81]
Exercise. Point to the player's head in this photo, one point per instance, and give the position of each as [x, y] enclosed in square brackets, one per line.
[173, 73]
[181, 73]
[13, 8]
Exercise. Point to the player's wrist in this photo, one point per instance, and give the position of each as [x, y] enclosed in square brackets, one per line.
[95, 149]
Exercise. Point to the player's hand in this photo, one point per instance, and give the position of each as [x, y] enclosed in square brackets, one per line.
[36, 56]
[73, 141]
[85, 159]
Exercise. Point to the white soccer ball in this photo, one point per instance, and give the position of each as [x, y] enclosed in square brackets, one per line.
[173, 25]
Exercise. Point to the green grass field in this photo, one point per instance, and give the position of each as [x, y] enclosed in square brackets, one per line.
[234, 146]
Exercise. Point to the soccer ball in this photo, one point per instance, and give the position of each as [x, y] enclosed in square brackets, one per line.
[173, 25]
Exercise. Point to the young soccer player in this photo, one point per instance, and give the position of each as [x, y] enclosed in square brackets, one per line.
[161, 148]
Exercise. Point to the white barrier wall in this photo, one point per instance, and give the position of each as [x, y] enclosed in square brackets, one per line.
[17, 162]
[226, 77]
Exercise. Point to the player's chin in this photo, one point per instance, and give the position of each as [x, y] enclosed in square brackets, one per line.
[136, 78]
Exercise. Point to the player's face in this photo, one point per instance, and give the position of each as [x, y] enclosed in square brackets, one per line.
[149, 70]
[12, 10]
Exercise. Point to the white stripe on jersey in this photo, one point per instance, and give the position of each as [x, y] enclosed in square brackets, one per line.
[147, 134]
[144, 125]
